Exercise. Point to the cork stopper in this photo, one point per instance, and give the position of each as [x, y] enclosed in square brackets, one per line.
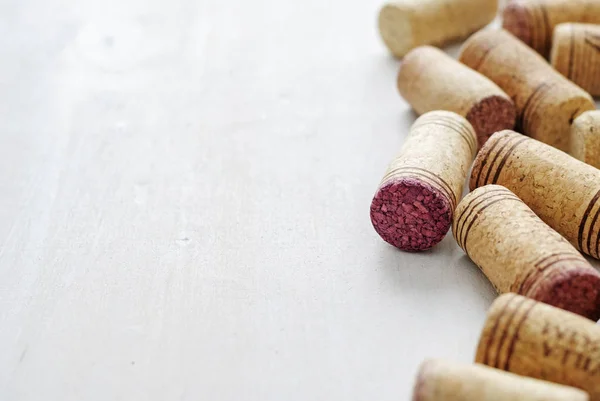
[439, 380]
[546, 102]
[431, 80]
[563, 191]
[576, 54]
[520, 253]
[585, 138]
[533, 339]
[406, 24]
[414, 205]
[533, 21]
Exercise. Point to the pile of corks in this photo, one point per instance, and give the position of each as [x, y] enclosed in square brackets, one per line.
[528, 132]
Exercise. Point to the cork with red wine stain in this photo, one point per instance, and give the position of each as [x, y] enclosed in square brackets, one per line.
[520, 253]
[430, 80]
[439, 380]
[546, 102]
[413, 207]
[563, 191]
[537, 340]
[533, 21]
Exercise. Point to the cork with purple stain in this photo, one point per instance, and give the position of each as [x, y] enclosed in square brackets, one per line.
[520, 253]
[414, 205]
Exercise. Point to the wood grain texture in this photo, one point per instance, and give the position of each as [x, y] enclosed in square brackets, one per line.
[184, 211]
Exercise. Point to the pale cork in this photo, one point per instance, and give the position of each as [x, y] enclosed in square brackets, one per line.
[533, 339]
[414, 205]
[585, 138]
[533, 21]
[407, 24]
[431, 80]
[547, 103]
[576, 54]
[563, 191]
[520, 253]
[439, 380]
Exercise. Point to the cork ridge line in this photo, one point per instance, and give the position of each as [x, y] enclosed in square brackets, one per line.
[589, 237]
[585, 218]
[506, 156]
[511, 316]
[492, 334]
[538, 269]
[507, 198]
[484, 162]
[421, 172]
[454, 126]
[513, 342]
[462, 219]
[508, 141]
[539, 274]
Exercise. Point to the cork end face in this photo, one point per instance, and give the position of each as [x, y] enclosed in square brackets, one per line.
[517, 20]
[577, 291]
[410, 214]
[490, 115]
[395, 29]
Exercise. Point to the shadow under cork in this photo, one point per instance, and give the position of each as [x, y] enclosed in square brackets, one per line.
[444, 268]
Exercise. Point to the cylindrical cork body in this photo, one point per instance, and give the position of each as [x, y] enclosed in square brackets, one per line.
[547, 103]
[414, 205]
[444, 381]
[533, 21]
[576, 54]
[431, 80]
[520, 253]
[563, 191]
[585, 138]
[406, 24]
[533, 339]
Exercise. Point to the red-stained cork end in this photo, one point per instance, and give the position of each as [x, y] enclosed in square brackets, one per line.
[492, 114]
[575, 290]
[517, 20]
[411, 214]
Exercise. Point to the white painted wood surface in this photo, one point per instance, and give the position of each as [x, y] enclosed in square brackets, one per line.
[184, 211]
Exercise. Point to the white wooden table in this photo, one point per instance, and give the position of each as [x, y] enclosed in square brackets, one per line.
[185, 187]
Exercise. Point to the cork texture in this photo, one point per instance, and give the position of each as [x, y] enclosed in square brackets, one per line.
[414, 205]
[576, 54]
[407, 24]
[533, 339]
[520, 253]
[533, 21]
[431, 80]
[563, 191]
[444, 381]
[585, 138]
[547, 103]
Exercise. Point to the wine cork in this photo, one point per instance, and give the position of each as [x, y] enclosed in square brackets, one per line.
[563, 191]
[533, 339]
[585, 138]
[431, 80]
[439, 380]
[520, 253]
[576, 54]
[547, 103]
[414, 205]
[406, 24]
[533, 21]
